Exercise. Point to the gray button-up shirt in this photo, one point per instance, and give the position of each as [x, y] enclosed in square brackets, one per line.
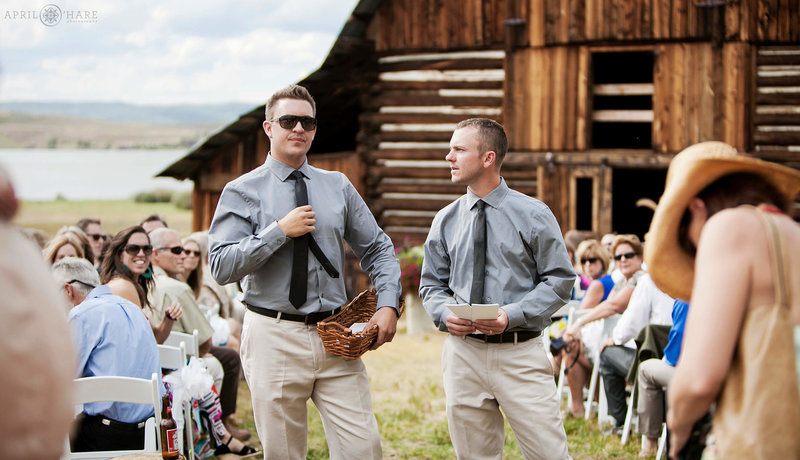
[528, 271]
[247, 243]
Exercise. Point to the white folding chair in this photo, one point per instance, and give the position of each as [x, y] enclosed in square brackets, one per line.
[596, 379]
[191, 341]
[662, 444]
[174, 358]
[120, 389]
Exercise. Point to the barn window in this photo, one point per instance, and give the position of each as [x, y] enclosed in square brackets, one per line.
[622, 99]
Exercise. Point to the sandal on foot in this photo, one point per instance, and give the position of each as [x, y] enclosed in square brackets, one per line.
[223, 449]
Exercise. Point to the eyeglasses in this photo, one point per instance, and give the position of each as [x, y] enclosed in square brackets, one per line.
[591, 260]
[189, 252]
[627, 255]
[133, 249]
[96, 236]
[290, 121]
[91, 286]
[175, 249]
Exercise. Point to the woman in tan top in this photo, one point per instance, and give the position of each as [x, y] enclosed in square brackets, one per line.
[721, 237]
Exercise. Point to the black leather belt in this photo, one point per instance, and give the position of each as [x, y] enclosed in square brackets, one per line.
[312, 318]
[115, 424]
[507, 337]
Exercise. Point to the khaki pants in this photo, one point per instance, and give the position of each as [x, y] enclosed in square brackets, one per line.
[285, 363]
[654, 376]
[481, 378]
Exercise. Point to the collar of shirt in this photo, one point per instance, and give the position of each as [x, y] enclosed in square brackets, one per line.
[282, 171]
[493, 198]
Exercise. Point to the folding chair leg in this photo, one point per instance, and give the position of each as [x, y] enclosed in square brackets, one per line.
[592, 387]
[626, 429]
[662, 444]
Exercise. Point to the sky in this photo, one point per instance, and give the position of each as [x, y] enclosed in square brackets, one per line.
[157, 52]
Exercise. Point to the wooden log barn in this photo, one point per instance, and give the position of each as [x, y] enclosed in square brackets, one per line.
[597, 96]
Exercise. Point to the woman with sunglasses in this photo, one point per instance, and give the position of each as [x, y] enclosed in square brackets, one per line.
[128, 273]
[581, 344]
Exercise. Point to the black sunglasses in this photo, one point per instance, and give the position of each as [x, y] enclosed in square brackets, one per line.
[90, 286]
[133, 249]
[290, 121]
[591, 260]
[175, 249]
[189, 252]
[627, 255]
[96, 236]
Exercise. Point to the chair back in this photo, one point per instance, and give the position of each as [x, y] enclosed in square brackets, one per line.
[174, 358]
[191, 341]
[120, 389]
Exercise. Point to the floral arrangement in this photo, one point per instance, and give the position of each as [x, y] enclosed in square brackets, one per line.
[410, 256]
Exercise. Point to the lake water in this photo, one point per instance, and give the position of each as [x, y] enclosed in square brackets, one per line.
[43, 174]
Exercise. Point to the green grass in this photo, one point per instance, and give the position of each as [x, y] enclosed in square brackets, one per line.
[114, 214]
[408, 400]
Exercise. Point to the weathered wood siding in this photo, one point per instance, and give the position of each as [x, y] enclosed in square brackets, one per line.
[404, 138]
[404, 25]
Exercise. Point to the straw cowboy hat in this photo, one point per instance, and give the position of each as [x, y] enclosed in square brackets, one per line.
[692, 170]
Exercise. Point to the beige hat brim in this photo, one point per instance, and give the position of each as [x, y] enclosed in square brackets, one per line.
[692, 170]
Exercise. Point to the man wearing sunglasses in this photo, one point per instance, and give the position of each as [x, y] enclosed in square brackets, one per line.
[282, 228]
[94, 231]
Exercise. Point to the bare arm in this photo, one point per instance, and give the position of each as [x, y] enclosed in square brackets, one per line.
[125, 289]
[593, 296]
[722, 285]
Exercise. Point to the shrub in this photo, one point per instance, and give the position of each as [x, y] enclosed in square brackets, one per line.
[410, 257]
[154, 196]
[182, 200]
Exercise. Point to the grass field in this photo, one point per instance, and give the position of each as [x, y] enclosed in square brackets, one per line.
[115, 215]
[408, 400]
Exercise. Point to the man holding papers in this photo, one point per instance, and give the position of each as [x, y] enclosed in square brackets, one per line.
[495, 245]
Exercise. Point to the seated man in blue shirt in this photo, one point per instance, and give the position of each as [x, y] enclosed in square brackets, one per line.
[112, 338]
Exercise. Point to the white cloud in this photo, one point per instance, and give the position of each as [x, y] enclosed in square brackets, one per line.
[179, 52]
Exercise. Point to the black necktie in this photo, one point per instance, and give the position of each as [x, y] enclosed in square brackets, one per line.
[479, 271]
[298, 287]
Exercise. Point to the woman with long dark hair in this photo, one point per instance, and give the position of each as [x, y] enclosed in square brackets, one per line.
[127, 271]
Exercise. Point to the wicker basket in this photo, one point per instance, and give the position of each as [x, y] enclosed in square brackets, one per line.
[335, 332]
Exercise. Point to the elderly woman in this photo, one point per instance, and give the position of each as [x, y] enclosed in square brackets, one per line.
[627, 250]
[62, 246]
[128, 273]
[721, 236]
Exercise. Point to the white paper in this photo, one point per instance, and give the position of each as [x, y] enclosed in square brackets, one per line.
[475, 311]
[357, 327]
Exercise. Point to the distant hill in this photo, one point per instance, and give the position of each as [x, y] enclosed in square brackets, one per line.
[48, 131]
[130, 113]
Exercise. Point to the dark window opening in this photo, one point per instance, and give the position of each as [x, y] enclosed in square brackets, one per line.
[620, 135]
[623, 67]
[623, 102]
[629, 185]
[583, 203]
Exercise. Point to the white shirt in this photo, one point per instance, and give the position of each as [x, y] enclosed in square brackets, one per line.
[648, 305]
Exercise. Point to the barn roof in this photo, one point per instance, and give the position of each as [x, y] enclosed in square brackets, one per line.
[337, 86]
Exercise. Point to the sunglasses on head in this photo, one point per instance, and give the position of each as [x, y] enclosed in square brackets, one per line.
[290, 121]
[133, 249]
[627, 255]
[96, 236]
[189, 252]
[591, 260]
